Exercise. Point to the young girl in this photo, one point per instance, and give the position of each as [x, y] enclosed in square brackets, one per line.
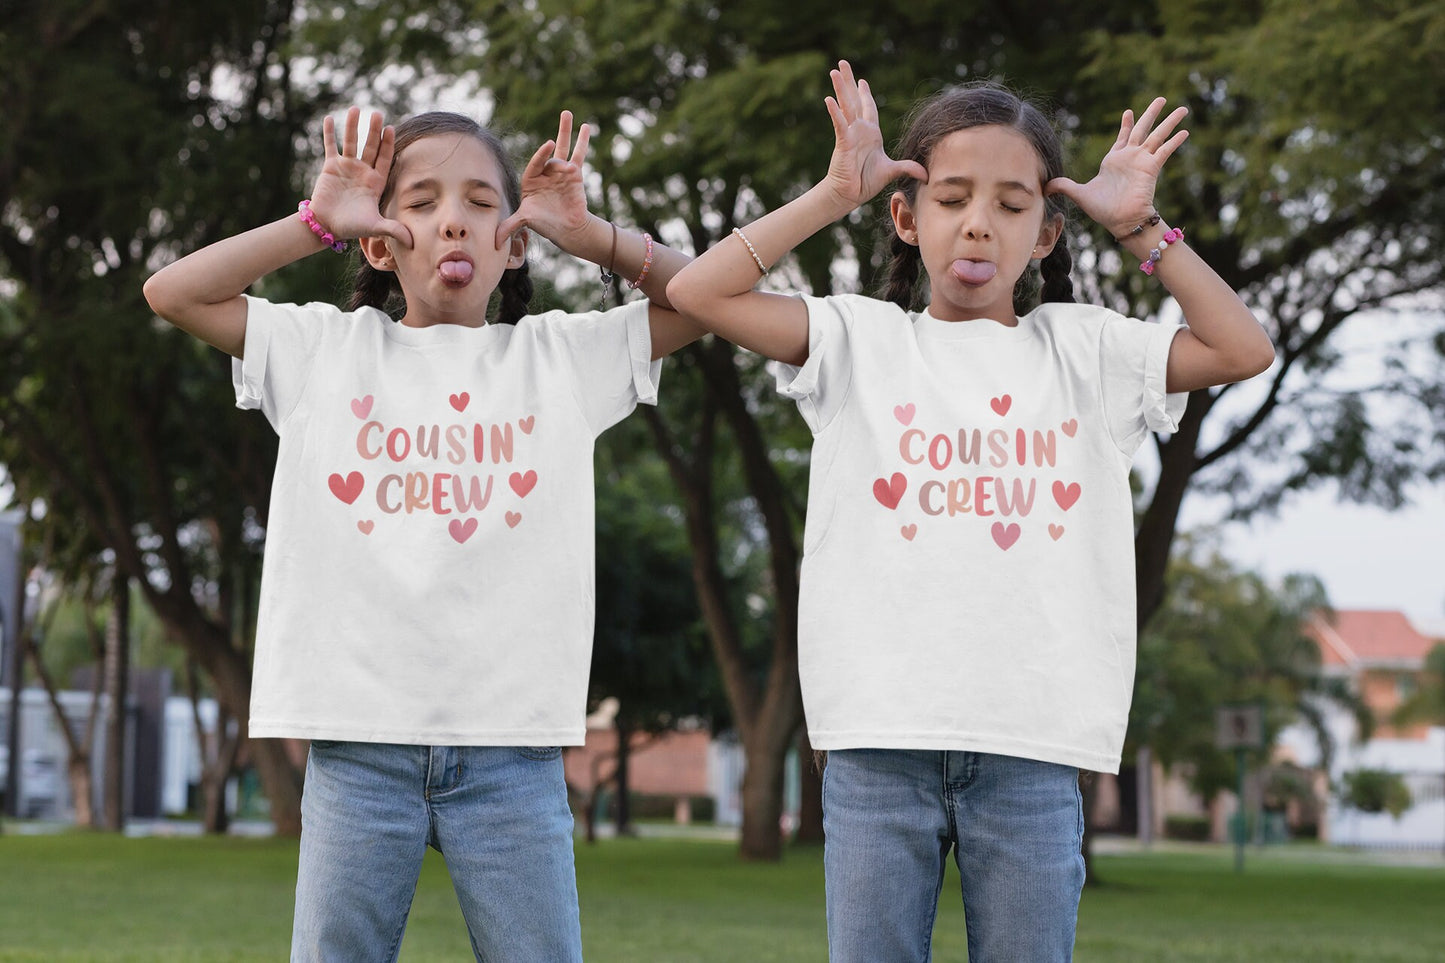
[967, 623]
[427, 596]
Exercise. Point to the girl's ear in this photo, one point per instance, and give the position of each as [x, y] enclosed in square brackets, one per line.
[1049, 234]
[377, 252]
[903, 220]
[517, 253]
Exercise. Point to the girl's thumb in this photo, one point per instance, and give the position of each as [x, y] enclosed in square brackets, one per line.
[397, 230]
[1062, 185]
[509, 227]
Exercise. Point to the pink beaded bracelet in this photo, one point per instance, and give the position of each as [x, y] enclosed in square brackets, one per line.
[304, 209]
[646, 262]
[1171, 236]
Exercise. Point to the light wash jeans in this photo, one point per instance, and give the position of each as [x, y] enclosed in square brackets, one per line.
[498, 815]
[1015, 826]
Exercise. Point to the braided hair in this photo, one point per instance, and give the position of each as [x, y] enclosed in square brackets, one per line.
[959, 108]
[379, 289]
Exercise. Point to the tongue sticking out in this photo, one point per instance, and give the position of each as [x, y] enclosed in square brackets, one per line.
[456, 271]
[974, 272]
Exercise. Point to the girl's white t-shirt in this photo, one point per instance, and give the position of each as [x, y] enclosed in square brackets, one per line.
[968, 571]
[428, 575]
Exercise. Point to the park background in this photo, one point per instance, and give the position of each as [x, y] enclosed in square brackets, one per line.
[1312, 180]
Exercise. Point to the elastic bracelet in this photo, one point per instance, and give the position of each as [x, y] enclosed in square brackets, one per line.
[304, 209]
[1171, 236]
[646, 263]
[608, 276]
[1149, 222]
[751, 250]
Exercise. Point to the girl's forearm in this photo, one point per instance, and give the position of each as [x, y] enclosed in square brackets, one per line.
[623, 252]
[1225, 342]
[728, 269]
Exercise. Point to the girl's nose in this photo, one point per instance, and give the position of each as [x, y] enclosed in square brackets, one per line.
[454, 223]
[977, 229]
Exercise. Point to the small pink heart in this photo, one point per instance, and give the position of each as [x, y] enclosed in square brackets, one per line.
[1066, 495]
[460, 402]
[346, 488]
[526, 424]
[1070, 426]
[1056, 532]
[1000, 405]
[361, 407]
[908, 531]
[1005, 535]
[890, 491]
[904, 413]
[523, 483]
[366, 526]
[462, 530]
[513, 518]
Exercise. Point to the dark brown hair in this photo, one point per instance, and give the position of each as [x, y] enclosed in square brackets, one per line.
[379, 289]
[959, 108]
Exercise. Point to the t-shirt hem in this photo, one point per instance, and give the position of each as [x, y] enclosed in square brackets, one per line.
[441, 737]
[953, 741]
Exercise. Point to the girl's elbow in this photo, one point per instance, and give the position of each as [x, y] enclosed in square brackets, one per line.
[158, 295]
[680, 295]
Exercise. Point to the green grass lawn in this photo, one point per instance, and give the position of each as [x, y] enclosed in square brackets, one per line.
[80, 896]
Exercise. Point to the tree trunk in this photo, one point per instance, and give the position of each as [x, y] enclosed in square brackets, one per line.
[117, 688]
[810, 791]
[762, 798]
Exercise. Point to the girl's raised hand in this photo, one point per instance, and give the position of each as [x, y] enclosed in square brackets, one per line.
[860, 167]
[347, 193]
[1121, 195]
[554, 198]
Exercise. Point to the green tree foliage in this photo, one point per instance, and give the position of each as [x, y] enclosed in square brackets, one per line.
[1376, 791]
[1224, 637]
[131, 133]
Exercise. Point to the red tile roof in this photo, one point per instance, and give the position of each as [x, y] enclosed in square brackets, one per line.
[1357, 636]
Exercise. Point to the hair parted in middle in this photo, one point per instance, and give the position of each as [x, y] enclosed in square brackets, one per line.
[957, 108]
[379, 289]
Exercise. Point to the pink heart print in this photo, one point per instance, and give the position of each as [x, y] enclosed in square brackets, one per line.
[904, 413]
[889, 492]
[1005, 535]
[1000, 405]
[1056, 532]
[460, 401]
[513, 518]
[462, 530]
[361, 407]
[526, 424]
[908, 531]
[365, 526]
[1066, 495]
[1070, 426]
[521, 483]
[346, 488]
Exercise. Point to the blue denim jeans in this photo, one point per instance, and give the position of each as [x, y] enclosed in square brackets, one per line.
[891, 816]
[498, 815]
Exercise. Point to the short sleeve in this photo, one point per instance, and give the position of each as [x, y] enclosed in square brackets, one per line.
[610, 354]
[1133, 364]
[282, 342]
[821, 384]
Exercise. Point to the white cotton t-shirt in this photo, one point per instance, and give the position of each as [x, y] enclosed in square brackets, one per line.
[968, 571]
[428, 575]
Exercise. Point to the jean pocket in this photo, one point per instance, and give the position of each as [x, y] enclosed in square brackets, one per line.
[541, 753]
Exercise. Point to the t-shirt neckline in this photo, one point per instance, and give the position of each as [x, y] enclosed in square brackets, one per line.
[927, 326]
